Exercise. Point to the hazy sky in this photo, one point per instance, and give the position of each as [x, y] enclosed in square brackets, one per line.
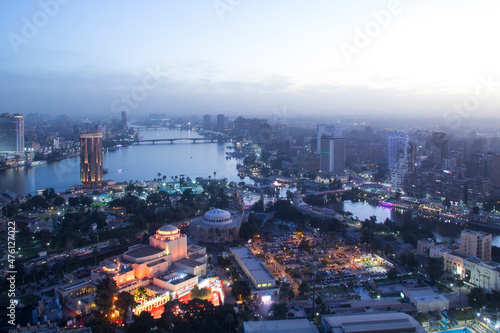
[279, 57]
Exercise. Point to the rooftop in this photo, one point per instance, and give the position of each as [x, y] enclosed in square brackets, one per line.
[177, 277]
[196, 256]
[189, 263]
[372, 322]
[424, 295]
[143, 251]
[278, 326]
[252, 264]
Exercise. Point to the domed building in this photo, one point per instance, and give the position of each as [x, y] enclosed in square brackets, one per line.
[217, 225]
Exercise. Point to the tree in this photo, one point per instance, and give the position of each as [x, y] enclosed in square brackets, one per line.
[388, 249]
[435, 268]
[124, 300]
[305, 245]
[143, 323]
[392, 274]
[142, 293]
[73, 201]
[203, 293]
[304, 288]
[105, 292]
[408, 260]
[318, 300]
[279, 310]
[477, 298]
[100, 325]
[49, 193]
[241, 290]
[285, 292]
[59, 201]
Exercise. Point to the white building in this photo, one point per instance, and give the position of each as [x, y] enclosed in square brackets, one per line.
[484, 274]
[253, 267]
[439, 251]
[454, 263]
[426, 300]
[476, 244]
[423, 247]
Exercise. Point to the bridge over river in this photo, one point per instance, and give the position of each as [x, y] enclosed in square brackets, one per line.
[172, 140]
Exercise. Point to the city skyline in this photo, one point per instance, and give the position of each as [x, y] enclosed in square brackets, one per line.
[251, 57]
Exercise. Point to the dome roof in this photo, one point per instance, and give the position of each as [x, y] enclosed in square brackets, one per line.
[168, 228]
[217, 215]
[112, 266]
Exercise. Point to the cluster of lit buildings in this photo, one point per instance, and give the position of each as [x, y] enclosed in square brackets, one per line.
[168, 268]
[471, 260]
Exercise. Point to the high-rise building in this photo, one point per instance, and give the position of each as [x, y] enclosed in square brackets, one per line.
[397, 149]
[207, 122]
[326, 130]
[441, 144]
[91, 168]
[11, 133]
[397, 160]
[412, 157]
[221, 123]
[332, 155]
[475, 244]
[124, 124]
[495, 170]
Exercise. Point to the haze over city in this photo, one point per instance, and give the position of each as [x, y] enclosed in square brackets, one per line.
[250, 57]
[249, 166]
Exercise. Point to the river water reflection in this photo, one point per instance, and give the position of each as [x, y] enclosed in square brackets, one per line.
[136, 162]
[442, 231]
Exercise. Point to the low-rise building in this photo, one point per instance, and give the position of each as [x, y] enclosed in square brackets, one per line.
[280, 326]
[162, 267]
[253, 267]
[426, 300]
[440, 250]
[370, 322]
[423, 247]
[454, 263]
[484, 274]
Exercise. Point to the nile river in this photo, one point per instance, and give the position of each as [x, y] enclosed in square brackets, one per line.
[442, 231]
[136, 162]
[145, 161]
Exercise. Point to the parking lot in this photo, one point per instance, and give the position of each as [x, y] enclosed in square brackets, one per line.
[340, 268]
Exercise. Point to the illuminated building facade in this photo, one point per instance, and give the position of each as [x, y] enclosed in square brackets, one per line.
[91, 168]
